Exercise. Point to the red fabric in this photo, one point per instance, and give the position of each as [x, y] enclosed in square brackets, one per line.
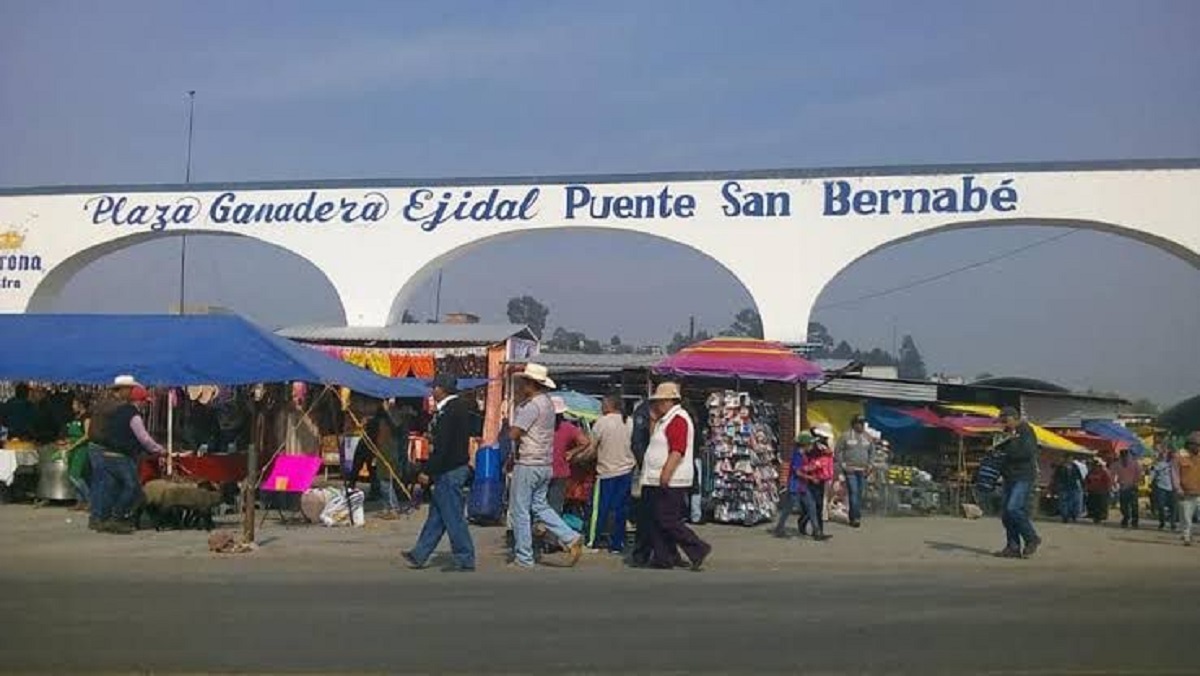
[219, 469]
[819, 468]
[564, 438]
[677, 436]
[1098, 480]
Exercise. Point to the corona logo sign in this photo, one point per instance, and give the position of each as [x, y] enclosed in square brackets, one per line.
[11, 240]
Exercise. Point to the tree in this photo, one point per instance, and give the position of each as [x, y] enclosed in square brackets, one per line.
[565, 340]
[912, 366]
[820, 339]
[747, 324]
[409, 318]
[615, 341]
[528, 311]
[986, 375]
[842, 351]
[682, 340]
[1144, 407]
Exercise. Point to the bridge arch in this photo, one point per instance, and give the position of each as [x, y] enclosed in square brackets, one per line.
[48, 290]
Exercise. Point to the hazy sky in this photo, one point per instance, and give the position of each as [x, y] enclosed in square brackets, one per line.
[93, 92]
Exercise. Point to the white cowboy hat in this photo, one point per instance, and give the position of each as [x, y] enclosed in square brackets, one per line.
[538, 374]
[125, 381]
[666, 392]
[560, 405]
[824, 430]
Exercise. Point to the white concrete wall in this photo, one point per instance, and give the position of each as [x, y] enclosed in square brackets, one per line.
[784, 259]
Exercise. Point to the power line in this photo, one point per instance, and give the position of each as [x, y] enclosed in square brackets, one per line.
[948, 273]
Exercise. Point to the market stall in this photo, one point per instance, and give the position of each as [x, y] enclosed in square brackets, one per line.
[736, 390]
[174, 351]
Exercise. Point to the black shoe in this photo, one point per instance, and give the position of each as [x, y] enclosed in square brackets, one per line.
[856, 524]
[1008, 553]
[411, 561]
[116, 527]
[698, 564]
[1032, 547]
[779, 534]
[822, 537]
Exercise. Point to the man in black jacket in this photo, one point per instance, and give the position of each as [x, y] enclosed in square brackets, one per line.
[447, 469]
[1019, 469]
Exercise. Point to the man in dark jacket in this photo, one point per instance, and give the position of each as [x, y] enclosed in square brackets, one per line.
[1019, 469]
[448, 470]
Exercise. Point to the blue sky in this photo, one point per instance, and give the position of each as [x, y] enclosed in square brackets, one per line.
[94, 93]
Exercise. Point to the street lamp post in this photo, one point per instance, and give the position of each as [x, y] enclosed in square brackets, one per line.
[187, 179]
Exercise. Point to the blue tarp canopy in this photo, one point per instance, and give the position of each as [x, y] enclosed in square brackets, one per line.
[1114, 432]
[172, 350]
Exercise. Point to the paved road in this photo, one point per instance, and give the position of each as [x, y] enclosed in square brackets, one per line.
[1000, 621]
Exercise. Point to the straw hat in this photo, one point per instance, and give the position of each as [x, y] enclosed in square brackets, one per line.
[824, 430]
[538, 374]
[666, 392]
[123, 381]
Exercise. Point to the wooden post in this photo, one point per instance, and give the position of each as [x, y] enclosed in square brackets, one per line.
[250, 485]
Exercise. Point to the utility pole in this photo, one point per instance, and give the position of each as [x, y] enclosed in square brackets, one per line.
[691, 329]
[187, 179]
[437, 300]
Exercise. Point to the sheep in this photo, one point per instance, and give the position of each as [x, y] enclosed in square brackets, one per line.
[179, 503]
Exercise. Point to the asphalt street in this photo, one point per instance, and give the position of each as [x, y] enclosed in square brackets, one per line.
[792, 621]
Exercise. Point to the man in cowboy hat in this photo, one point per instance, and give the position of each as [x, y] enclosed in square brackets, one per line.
[124, 440]
[667, 476]
[447, 469]
[533, 433]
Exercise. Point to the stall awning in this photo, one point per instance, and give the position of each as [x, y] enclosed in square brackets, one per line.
[979, 424]
[1111, 430]
[745, 358]
[173, 350]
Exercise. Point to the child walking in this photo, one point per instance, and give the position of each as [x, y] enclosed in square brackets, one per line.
[795, 493]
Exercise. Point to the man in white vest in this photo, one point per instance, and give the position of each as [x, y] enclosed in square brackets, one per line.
[667, 475]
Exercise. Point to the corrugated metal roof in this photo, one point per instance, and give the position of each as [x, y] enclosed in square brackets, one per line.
[879, 389]
[571, 362]
[460, 334]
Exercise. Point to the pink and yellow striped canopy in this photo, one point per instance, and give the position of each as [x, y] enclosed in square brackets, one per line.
[745, 358]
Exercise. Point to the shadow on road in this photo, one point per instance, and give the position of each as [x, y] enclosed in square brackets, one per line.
[952, 547]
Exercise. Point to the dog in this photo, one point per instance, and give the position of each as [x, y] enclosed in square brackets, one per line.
[178, 504]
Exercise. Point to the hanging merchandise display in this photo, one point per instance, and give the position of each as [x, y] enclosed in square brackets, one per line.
[741, 446]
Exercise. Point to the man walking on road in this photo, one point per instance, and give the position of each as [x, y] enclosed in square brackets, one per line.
[1128, 473]
[447, 469]
[533, 432]
[667, 476]
[1162, 485]
[1020, 458]
[1187, 484]
[853, 457]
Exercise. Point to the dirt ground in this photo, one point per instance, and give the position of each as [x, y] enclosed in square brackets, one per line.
[53, 538]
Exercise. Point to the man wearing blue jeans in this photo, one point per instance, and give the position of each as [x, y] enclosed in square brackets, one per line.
[1020, 451]
[124, 438]
[853, 457]
[447, 469]
[533, 432]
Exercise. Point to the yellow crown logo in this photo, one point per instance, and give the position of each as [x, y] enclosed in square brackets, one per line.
[11, 240]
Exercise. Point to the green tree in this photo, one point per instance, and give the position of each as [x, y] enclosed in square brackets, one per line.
[528, 311]
[821, 340]
[912, 366]
[682, 340]
[747, 324]
[615, 341]
[565, 340]
[1144, 407]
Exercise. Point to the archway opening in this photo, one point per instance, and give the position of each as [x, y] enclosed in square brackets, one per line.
[1085, 307]
[141, 274]
[645, 291]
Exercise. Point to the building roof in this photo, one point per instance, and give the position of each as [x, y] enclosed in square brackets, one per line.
[438, 334]
[824, 172]
[574, 362]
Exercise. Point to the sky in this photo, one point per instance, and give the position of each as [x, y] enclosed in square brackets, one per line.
[94, 93]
